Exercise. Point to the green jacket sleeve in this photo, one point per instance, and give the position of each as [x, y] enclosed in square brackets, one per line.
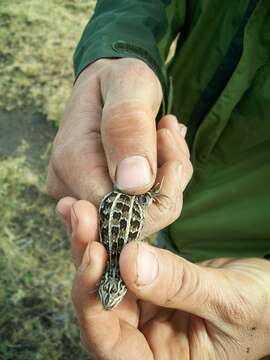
[131, 28]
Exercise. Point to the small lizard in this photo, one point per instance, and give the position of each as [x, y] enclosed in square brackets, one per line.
[121, 220]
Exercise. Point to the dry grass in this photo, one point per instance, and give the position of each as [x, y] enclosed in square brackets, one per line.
[37, 40]
[35, 312]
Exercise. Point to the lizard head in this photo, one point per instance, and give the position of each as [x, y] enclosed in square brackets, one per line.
[111, 291]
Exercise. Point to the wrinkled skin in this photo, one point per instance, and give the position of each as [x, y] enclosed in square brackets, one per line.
[174, 309]
[211, 310]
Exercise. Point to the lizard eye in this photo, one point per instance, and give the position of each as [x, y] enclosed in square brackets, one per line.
[144, 199]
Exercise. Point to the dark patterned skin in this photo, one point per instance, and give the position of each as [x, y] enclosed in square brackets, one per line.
[121, 220]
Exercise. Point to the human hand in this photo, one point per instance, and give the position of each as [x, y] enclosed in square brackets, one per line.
[174, 168]
[212, 310]
[108, 132]
[174, 309]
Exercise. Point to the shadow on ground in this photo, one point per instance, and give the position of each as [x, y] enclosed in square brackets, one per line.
[31, 132]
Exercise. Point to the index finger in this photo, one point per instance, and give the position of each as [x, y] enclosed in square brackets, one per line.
[89, 311]
[104, 331]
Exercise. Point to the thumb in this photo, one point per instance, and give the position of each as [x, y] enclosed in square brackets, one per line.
[131, 95]
[165, 279]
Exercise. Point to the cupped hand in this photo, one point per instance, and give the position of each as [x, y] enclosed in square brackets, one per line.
[108, 132]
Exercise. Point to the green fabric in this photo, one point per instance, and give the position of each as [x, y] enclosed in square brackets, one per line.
[133, 28]
[221, 90]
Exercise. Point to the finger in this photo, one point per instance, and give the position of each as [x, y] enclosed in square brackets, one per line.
[84, 220]
[169, 150]
[169, 331]
[85, 297]
[91, 316]
[78, 165]
[172, 146]
[131, 99]
[174, 174]
[165, 279]
[55, 186]
[167, 204]
[97, 337]
[63, 209]
[177, 129]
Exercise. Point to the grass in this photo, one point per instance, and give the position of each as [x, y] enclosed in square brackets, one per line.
[36, 319]
[37, 40]
[37, 43]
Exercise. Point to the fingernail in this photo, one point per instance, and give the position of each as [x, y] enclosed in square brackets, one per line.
[133, 172]
[147, 266]
[74, 219]
[183, 130]
[86, 258]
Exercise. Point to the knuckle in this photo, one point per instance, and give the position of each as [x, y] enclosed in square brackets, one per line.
[137, 67]
[56, 160]
[127, 68]
[54, 186]
[187, 174]
[166, 204]
[132, 70]
[177, 210]
[189, 169]
[141, 70]
[169, 207]
[176, 282]
[184, 284]
[164, 136]
[184, 147]
[62, 155]
[174, 211]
